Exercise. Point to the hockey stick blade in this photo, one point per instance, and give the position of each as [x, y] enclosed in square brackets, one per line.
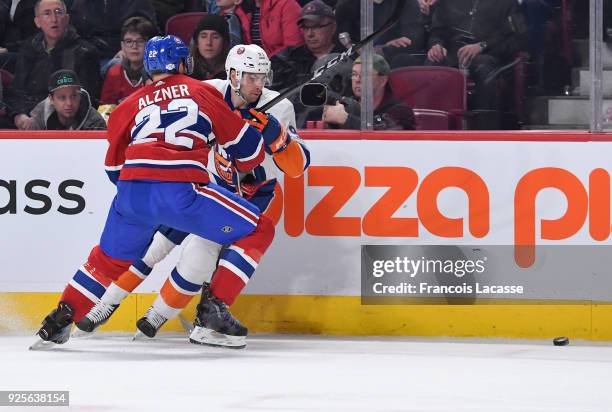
[397, 12]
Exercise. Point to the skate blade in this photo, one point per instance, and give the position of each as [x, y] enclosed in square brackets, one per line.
[42, 345]
[188, 326]
[204, 336]
[81, 334]
[139, 336]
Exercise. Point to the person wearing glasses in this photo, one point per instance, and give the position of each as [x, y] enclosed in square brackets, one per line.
[56, 47]
[129, 75]
[294, 65]
[389, 113]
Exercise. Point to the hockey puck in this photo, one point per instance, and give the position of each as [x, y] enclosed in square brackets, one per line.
[561, 341]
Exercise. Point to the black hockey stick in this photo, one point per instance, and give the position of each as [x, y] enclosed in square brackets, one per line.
[342, 57]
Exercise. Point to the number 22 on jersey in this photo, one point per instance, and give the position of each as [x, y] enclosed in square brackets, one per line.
[180, 116]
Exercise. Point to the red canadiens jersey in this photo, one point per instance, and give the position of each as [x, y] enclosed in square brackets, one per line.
[163, 132]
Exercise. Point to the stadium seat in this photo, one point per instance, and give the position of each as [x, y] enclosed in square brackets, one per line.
[432, 88]
[182, 25]
[432, 119]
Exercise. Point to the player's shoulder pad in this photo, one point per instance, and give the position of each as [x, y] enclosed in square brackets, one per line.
[216, 83]
[210, 88]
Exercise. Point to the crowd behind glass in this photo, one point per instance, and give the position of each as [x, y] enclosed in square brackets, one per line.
[446, 64]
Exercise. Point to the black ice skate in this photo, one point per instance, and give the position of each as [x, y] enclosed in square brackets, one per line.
[56, 326]
[215, 326]
[96, 317]
[150, 323]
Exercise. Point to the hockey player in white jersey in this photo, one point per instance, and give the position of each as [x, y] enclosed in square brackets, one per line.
[248, 71]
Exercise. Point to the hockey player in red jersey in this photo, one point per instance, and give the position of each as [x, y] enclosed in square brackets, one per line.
[248, 70]
[159, 140]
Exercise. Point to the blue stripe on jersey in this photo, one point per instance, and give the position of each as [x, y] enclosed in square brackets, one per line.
[90, 284]
[142, 267]
[237, 260]
[138, 127]
[246, 146]
[307, 154]
[184, 283]
[202, 127]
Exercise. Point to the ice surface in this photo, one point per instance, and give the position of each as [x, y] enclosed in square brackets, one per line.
[295, 373]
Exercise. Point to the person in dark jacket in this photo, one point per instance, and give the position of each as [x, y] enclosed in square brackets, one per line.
[478, 36]
[16, 26]
[100, 21]
[68, 106]
[4, 122]
[16, 23]
[293, 65]
[389, 113]
[401, 45]
[58, 46]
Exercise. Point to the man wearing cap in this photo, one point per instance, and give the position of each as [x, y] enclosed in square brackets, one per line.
[389, 113]
[56, 46]
[68, 106]
[293, 65]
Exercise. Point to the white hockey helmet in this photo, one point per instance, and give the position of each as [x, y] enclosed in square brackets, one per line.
[248, 58]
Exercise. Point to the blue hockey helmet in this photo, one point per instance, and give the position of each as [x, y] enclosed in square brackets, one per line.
[164, 54]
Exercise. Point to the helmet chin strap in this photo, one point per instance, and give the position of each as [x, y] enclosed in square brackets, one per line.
[237, 90]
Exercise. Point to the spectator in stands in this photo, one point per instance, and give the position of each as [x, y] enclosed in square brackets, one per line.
[479, 37]
[129, 75]
[389, 113]
[164, 9]
[68, 106]
[100, 21]
[426, 6]
[57, 46]
[227, 9]
[16, 25]
[4, 123]
[271, 24]
[209, 48]
[330, 3]
[401, 45]
[294, 64]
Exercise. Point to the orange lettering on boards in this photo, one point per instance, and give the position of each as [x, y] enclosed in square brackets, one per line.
[478, 202]
[403, 182]
[378, 221]
[525, 221]
[322, 220]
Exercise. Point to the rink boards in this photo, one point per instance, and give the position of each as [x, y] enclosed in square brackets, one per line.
[361, 189]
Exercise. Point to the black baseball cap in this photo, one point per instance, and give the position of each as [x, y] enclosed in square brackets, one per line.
[63, 78]
[316, 10]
